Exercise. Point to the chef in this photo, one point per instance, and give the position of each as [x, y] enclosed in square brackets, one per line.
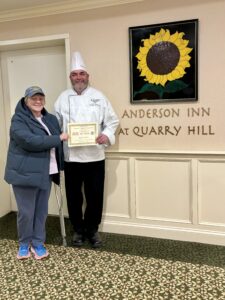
[85, 165]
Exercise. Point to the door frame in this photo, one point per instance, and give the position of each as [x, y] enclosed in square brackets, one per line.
[23, 44]
[38, 42]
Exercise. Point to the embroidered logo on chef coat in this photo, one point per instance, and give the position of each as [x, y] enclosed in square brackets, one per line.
[94, 102]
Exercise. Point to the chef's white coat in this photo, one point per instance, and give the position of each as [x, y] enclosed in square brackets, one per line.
[91, 106]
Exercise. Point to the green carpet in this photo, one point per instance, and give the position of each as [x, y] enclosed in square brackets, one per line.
[126, 268]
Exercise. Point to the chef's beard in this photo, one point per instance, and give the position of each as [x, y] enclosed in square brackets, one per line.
[79, 87]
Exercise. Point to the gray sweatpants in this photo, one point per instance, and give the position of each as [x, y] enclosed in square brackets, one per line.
[32, 204]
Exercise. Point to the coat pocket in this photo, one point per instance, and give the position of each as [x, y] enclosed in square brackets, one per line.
[33, 163]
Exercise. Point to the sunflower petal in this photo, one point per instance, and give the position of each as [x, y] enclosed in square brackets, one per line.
[146, 43]
[181, 34]
[183, 44]
[154, 78]
[157, 35]
[166, 36]
[139, 67]
[151, 37]
[163, 80]
[185, 51]
[173, 37]
[143, 72]
[170, 77]
[184, 64]
[178, 42]
[139, 56]
[152, 42]
[180, 70]
[157, 80]
[162, 31]
[143, 50]
[143, 61]
[149, 74]
[176, 74]
[185, 58]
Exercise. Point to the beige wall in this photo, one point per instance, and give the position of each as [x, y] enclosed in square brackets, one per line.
[102, 37]
[4, 187]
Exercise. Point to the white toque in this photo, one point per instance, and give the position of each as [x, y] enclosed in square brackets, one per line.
[77, 62]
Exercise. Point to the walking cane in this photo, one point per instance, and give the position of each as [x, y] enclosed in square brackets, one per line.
[59, 198]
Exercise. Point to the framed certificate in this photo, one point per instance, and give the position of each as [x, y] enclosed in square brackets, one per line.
[82, 134]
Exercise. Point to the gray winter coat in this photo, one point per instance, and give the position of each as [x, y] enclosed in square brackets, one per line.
[29, 148]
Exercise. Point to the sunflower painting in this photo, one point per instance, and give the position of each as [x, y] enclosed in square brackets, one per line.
[164, 62]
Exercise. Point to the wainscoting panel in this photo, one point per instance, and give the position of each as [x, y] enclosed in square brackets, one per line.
[163, 190]
[117, 186]
[171, 195]
[211, 179]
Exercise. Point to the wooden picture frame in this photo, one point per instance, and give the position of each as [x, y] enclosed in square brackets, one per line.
[164, 62]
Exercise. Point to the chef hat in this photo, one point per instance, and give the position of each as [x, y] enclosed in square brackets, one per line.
[77, 62]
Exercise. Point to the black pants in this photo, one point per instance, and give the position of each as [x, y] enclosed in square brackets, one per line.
[91, 176]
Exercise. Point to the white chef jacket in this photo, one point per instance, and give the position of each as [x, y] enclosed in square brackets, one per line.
[90, 106]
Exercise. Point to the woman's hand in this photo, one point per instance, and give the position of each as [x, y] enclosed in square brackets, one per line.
[64, 136]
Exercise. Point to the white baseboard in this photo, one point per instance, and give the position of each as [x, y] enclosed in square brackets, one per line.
[165, 232]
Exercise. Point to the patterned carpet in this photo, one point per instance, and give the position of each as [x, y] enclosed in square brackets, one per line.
[126, 268]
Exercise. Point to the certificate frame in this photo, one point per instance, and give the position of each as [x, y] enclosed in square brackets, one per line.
[82, 134]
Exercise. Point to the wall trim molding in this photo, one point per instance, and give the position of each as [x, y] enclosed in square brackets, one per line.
[66, 6]
[118, 152]
[164, 232]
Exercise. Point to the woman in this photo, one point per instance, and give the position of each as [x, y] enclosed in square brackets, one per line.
[34, 161]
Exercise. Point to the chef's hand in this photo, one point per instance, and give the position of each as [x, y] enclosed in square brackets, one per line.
[102, 139]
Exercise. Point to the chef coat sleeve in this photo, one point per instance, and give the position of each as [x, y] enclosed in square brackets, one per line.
[110, 122]
[58, 114]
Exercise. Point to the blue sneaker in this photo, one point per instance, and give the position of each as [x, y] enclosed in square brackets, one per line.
[39, 251]
[24, 252]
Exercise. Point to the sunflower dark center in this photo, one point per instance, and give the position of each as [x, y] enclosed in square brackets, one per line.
[163, 58]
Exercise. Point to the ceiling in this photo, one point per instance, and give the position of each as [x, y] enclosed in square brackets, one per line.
[23, 9]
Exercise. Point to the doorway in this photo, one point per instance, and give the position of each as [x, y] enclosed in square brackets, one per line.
[36, 61]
